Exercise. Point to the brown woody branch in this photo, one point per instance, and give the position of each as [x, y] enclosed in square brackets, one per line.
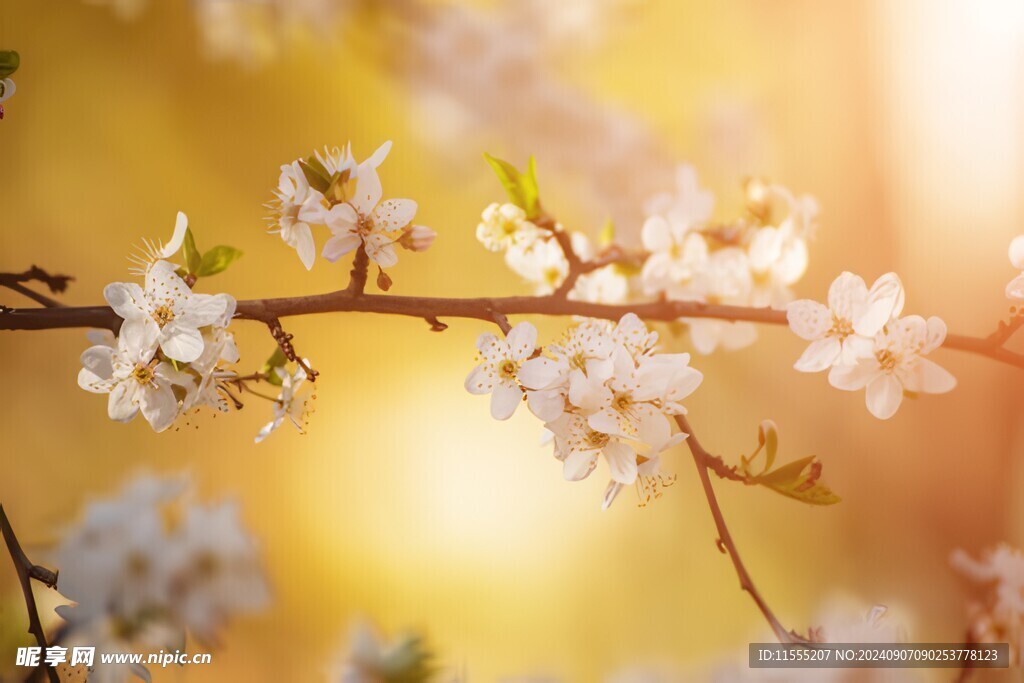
[26, 573]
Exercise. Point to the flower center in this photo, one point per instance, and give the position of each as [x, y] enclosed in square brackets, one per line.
[841, 327]
[553, 276]
[887, 360]
[364, 225]
[507, 369]
[163, 315]
[622, 402]
[596, 439]
[143, 373]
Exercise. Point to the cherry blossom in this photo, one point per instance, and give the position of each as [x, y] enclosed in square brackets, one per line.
[999, 615]
[167, 313]
[542, 263]
[499, 368]
[897, 365]
[289, 404]
[843, 332]
[296, 205]
[504, 225]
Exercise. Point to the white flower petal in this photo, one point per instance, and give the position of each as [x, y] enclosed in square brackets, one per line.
[809, 319]
[126, 298]
[883, 396]
[846, 295]
[656, 234]
[578, 465]
[522, 340]
[381, 250]
[339, 245]
[159, 407]
[302, 240]
[933, 378]
[884, 302]
[1015, 288]
[541, 372]
[820, 355]
[368, 191]
[1017, 252]
[172, 247]
[547, 405]
[505, 398]
[480, 380]
[121, 405]
[853, 377]
[394, 214]
[621, 462]
[378, 157]
[180, 342]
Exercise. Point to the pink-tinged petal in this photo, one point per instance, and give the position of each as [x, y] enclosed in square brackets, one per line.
[339, 245]
[394, 214]
[578, 465]
[159, 407]
[656, 234]
[883, 396]
[853, 377]
[856, 347]
[505, 398]
[847, 295]
[480, 380]
[1017, 252]
[380, 249]
[541, 372]
[610, 494]
[820, 355]
[121, 405]
[522, 340]
[302, 240]
[378, 157]
[181, 343]
[341, 218]
[1015, 288]
[884, 302]
[126, 298]
[933, 378]
[368, 191]
[809, 319]
[547, 405]
[621, 462]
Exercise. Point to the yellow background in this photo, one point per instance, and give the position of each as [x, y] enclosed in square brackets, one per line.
[406, 502]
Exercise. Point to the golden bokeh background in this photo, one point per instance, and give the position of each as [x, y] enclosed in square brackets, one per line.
[406, 503]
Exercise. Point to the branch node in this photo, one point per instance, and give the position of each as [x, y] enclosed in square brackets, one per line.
[435, 324]
[284, 341]
[43, 575]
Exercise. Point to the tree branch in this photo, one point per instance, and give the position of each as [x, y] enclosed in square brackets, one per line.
[479, 308]
[26, 572]
[705, 462]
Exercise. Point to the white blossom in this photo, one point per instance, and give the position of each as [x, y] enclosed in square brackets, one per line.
[499, 368]
[1015, 288]
[167, 313]
[152, 253]
[676, 253]
[542, 263]
[296, 206]
[843, 332]
[372, 659]
[998, 616]
[897, 365]
[504, 225]
[688, 207]
[290, 404]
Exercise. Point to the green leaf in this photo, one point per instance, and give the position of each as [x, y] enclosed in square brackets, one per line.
[787, 473]
[216, 260]
[276, 360]
[521, 188]
[316, 175]
[800, 480]
[193, 259]
[10, 60]
[768, 437]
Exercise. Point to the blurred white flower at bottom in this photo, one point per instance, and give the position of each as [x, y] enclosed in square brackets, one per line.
[371, 659]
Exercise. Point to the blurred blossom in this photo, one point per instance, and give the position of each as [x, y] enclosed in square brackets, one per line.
[372, 659]
[150, 565]
[997, 616]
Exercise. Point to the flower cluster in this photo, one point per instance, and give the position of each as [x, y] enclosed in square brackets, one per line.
[139, 582]
[999, 616]
[602, 392]
[372, 659]
[752, 261]
[330, 189]
[171, 347]
[291, 402]
[860, 338]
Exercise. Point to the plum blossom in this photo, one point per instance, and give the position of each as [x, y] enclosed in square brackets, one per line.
[505, 225]
[167, 313]
[134, 381]
[139, 580]
[676, 252]
[365, 220]
[897, 366]
[1015, 288]
[499, 367]
[603, 393]
[296, 206]
[998, 616]
[372, 659]
[289, 404]
[152, 253]
[843, 332]
[542, 263]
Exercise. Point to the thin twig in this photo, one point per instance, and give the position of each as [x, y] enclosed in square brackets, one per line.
[359, 272]
[705, 462]
[26, 573]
